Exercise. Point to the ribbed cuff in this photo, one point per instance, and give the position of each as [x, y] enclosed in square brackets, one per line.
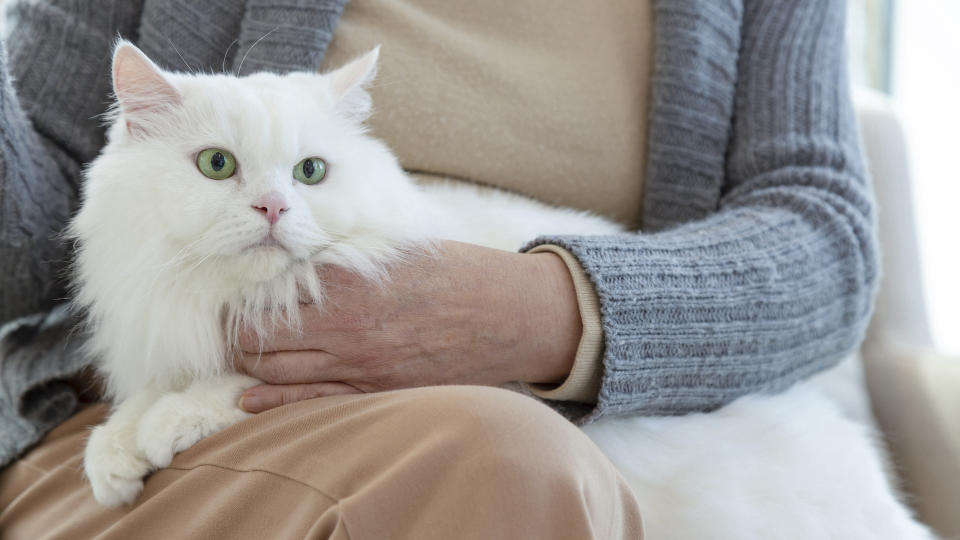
[583, 382]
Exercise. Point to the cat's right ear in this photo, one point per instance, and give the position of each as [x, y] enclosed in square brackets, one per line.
[142, 89]
[348, 84]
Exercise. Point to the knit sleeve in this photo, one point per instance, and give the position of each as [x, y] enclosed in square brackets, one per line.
[53, 86]
[34, 201]
[777, 281]
[51, 93]
[239, 37]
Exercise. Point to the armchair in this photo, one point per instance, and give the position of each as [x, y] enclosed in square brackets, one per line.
[914, 390]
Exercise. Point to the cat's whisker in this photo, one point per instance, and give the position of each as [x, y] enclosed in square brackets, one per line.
[175, 260]
[383, 84]
[199, 262]
[261, 38]
[182, 272]
[189, 69]
[223, 64]
[179, 255]
[144, 291]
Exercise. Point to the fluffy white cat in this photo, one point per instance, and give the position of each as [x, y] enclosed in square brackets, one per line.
[216, 196]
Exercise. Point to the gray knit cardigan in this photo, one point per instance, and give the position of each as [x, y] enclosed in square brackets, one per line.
[757, 267]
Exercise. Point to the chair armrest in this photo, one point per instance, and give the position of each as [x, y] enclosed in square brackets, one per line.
[915, 393]
[900, 319]
[916, 400]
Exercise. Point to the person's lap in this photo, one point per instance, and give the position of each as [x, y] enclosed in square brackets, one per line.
[439, 462]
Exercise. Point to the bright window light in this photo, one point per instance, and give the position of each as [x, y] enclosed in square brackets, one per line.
[926, 90]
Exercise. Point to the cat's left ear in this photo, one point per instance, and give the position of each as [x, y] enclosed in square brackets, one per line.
[348, 84]
[141, 88]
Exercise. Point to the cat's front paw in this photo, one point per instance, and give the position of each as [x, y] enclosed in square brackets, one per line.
[178, 421]
[114, 469]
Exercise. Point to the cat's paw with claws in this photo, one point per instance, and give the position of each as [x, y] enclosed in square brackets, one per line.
[114, 467]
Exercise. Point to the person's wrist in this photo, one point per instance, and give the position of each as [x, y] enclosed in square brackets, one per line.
[517, 314]
[553, 318]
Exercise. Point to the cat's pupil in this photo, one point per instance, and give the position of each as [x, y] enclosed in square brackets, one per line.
[217, 161]
[308, 168]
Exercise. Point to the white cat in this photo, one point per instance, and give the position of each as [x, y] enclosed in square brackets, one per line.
[216, 196]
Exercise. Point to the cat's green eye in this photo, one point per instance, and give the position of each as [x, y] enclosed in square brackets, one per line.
[216, 163]
[310, 171]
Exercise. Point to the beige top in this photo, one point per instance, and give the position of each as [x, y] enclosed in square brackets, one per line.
[528, 95]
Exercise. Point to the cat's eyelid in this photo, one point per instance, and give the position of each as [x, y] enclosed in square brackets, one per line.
[327, 162]
[201, 148]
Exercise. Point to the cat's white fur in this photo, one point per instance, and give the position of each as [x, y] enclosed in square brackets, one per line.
[168, 266]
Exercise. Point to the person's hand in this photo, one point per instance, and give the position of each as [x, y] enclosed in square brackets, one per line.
[464, 315]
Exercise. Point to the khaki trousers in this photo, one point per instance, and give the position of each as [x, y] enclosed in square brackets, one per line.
[442, 462]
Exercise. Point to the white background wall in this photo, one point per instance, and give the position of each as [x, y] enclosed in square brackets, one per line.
[926, 89]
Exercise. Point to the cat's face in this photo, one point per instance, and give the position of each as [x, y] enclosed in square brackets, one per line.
[243, 175]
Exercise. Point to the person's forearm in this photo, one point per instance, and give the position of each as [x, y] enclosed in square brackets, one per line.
[548, 304]
[581, 382]
[775, 284]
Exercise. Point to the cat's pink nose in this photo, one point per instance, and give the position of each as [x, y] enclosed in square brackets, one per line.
[271, 205]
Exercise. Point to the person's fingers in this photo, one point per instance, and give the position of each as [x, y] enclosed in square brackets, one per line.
[267, 396]
[293, 367]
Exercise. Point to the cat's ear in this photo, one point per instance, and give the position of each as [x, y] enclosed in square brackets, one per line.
[349, 84]
[142, 89]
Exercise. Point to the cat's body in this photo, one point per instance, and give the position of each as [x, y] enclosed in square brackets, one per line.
[170, 263]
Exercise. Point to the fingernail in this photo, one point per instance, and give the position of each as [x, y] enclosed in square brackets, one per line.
[251, 403]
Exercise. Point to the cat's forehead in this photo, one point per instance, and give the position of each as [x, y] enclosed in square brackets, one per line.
[257, 112]
[259, 87]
